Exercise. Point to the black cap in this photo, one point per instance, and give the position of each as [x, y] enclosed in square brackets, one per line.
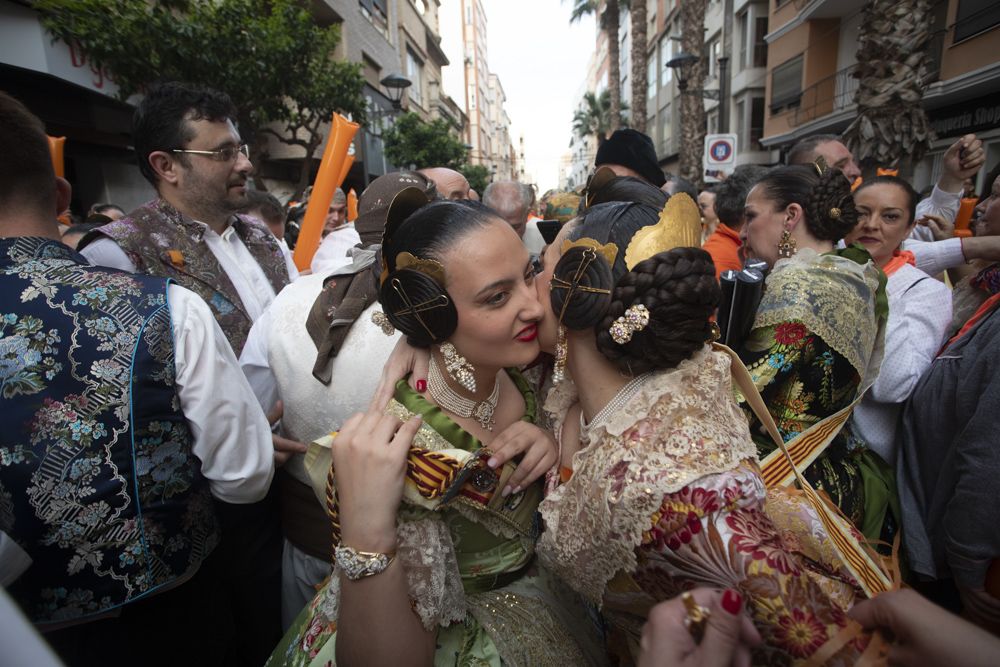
[633, 149]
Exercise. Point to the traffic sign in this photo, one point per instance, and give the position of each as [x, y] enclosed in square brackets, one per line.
[720, 155]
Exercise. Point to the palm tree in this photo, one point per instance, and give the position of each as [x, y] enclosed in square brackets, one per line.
[692, 107]
[594, 119]
[609, 22]
[892, 65]
[640, 74]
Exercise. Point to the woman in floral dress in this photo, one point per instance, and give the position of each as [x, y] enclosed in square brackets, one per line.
[659, 489]
[816, 341]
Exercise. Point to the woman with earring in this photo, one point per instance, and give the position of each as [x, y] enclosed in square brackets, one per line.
[816, 342]
[660, 489]
[434, 562]
[919, 310]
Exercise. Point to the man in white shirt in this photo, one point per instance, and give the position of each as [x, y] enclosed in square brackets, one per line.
[265, 207]
[121, 422]
[189, 149]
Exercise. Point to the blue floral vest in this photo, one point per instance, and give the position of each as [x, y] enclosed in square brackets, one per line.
[98, 483]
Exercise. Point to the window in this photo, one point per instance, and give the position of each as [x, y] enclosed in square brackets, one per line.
[468, 15]
[651, 78]
[665, 72]
[743, 30]
[786, 85]
[712, 121]
[974, 17]
[759, 45]
[374, 11]
[414, 72]
[712, 52]
[741, 124]
[756, 123]
[421, 6]
[666, 128]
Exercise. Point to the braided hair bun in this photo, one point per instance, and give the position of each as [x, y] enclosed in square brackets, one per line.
[830, 211]
[679, 289]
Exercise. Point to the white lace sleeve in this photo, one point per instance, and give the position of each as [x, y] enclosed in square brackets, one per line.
[427, 553]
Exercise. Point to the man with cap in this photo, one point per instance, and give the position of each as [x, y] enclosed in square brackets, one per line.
[339, 236]
[318, 351]
[629, 152]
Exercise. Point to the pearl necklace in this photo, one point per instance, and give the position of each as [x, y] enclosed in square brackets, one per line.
[618, 402]
[452, 401]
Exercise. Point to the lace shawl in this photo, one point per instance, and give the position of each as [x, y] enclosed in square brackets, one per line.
[681, 425]
[834, 297]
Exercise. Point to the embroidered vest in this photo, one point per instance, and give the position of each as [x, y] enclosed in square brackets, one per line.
[161, 241]
[98, 483]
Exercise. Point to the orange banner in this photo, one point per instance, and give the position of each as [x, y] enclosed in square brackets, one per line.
[352, 206]
[332, 171]
[56, 145]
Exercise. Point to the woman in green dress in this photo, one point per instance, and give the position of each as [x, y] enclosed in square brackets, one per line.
[435, 558]
[816, 342]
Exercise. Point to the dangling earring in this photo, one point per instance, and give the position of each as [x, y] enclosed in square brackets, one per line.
[786, 246]
[459, 369]
[562, 353]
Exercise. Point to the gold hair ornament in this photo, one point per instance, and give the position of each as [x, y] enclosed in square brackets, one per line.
[636, 318]
[589, 255]
[679, 227]
[609, 250]
[429, 267]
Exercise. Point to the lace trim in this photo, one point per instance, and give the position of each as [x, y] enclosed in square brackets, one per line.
[834, 297]
[683, 425]
[425, 551]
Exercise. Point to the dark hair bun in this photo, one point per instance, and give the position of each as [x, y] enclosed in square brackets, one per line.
[681, 292]
[831, 214]
[585, 308]
[435, 318]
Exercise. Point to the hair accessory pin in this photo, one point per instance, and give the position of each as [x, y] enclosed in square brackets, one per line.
[381, 320]
[636, 318]
[835, 213]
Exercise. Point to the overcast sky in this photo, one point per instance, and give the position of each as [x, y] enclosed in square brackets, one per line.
[541, 60]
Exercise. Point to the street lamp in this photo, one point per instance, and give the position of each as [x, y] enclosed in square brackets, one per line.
[682, 63]
[396, 84]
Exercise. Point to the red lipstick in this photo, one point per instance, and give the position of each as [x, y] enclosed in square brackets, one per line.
[528, 333]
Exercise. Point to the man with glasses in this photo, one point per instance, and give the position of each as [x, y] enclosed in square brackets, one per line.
[188, 147]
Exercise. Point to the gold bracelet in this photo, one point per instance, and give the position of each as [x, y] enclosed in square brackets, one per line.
[360, 564]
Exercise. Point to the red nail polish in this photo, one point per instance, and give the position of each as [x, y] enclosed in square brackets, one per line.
[421, 386]
[732, 601]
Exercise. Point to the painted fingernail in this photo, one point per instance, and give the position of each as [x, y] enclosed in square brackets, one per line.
[517, 489]
[493, 463]
[506, 491]
[421, 386]
[732, 601]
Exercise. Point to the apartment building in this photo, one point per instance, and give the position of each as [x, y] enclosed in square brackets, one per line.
[812, 56]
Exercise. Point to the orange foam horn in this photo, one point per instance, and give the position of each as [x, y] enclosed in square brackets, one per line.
[332, 172]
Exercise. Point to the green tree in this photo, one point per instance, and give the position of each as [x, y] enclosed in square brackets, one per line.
[413, 141]
[270, 56]
[477, 175]
[594, 118]
[609, 18]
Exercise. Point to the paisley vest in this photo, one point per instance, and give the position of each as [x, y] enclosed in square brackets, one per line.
[98, 483]
[161, 241]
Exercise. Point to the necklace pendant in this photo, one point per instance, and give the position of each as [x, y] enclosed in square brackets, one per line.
[483, 414]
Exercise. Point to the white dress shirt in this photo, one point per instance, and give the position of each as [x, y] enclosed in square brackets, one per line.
[232, 438]
[335, 250]
[919, 316]
[252, 286]
[934, 257]
[293, 271]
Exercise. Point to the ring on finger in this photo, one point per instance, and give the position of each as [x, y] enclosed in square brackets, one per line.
[695, 616]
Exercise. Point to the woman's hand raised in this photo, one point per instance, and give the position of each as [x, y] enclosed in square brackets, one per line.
[369, 459]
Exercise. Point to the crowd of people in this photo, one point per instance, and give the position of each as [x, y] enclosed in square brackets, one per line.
[500, 432]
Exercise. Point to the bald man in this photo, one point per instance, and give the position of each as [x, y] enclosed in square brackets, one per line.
[512, 200]
[450, 184]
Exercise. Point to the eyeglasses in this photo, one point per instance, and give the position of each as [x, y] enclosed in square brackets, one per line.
[227, 154]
